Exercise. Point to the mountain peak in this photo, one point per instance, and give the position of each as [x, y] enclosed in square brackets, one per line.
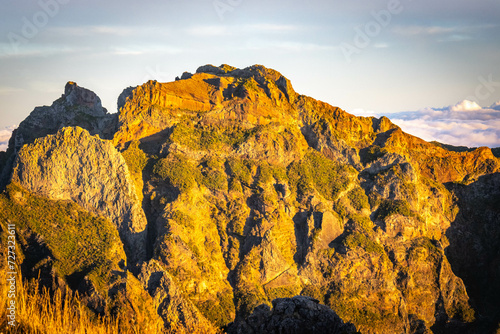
[76, 95]
[222, 69]
[258, 72]
[255, 95]
[77, 106]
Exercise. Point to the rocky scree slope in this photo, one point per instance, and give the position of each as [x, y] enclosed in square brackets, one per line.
[228, 189]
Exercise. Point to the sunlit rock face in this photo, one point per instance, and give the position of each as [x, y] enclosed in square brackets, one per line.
[228, 190]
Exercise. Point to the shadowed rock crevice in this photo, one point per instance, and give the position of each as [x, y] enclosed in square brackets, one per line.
[297, 315]
[474, 249]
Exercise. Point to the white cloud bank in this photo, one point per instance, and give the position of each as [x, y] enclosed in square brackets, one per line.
[463, 124]
[5, 136]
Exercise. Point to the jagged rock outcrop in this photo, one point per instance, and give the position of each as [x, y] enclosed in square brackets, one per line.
[180, 315]
[73, 165]
[297, 315]
[78, 106]
[227, 95]
[253, 192]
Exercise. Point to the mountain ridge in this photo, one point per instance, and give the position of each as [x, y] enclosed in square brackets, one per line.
[243, 191]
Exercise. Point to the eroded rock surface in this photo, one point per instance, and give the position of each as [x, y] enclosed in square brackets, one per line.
[73, 165]
[78, 106]
[297, 315]
[252, 192]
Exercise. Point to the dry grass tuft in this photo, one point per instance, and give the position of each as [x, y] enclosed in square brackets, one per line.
[39, 312]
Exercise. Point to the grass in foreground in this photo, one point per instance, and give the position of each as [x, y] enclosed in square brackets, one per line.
[39, 312]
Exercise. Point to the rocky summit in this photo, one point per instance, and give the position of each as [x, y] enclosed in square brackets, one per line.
[226, 201]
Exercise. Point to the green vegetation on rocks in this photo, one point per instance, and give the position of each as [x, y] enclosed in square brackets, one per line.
[212, 137]
[395, 207]
[78, 240]
[136, 159]
[178, 170]
[358, 198]
[316, 171]
[241, 170]
[361, 240]
[374, 152]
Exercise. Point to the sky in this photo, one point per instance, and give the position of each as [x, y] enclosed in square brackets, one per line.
[413, 61]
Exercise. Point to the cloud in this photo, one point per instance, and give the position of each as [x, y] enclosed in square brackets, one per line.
[409, 31]
[256, 44]
[458, 133]
[297, 46]
[495, 105]
[139, 50]
[209, 31]
[224, 30]
[465, 105]
[112, 30]
[106, 30]
[11, 50]
[462, 111]
[463, 124]
[5, 135]
[424, 30]
[455, 38]
[269, 27]
[443, 33]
